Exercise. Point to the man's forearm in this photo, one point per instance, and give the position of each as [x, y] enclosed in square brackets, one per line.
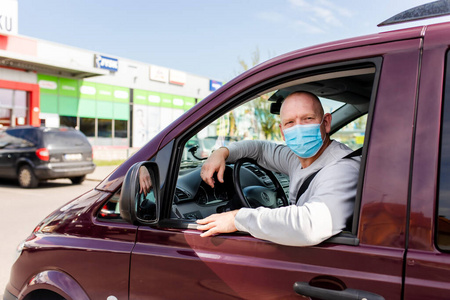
[290, 225]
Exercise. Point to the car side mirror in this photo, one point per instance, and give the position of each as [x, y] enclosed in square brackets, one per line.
[135, 207]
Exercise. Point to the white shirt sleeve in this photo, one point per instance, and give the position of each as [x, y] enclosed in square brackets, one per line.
[321, 212]
[292, 225]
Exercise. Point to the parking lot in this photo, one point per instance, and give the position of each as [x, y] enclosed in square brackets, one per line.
[22, 209]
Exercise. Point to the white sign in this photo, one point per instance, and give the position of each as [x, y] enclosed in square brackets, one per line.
[121, 94]
[178, 102]
[177, 77]
[68, 88]
[159, 74]
[88, 90]
[49, 85]
[154, 99]
[9, 17]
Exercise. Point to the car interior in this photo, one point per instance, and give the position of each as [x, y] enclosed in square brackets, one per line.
[344, 92]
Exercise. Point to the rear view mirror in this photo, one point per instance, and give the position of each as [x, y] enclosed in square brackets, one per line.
[137, 207]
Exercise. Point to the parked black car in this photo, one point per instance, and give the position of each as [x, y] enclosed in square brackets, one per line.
[32, 154]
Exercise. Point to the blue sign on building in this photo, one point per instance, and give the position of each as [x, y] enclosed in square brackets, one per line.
[214, 85]
[104, 62]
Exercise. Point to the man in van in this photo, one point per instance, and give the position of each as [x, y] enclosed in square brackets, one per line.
[323, 209]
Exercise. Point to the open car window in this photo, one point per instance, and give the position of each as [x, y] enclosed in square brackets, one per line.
[345, 94]
[353, 133]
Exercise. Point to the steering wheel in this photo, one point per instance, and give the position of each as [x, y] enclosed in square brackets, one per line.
[254, 196]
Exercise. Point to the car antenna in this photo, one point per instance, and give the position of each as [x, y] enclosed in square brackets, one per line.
[424, 11]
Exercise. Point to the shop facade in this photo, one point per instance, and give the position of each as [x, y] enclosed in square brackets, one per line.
[108, 115]
[19, 103]
[115, 102]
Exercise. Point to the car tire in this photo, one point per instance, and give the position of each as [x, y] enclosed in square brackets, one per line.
[78, 180]
[26, 177]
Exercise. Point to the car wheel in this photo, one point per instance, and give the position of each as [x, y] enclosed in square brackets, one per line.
[78, 180]
[27, 179]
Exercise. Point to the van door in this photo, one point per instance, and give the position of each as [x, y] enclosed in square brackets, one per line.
[428, 258]
[169, 261]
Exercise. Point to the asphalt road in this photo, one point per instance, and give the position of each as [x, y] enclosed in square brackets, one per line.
[22, 209]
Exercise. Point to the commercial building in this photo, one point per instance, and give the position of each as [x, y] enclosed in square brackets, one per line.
[116, 102]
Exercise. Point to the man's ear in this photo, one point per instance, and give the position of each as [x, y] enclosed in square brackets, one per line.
[327, 122]
[282, 133]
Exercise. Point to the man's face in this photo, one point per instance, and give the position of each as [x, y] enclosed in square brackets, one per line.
[301, 109]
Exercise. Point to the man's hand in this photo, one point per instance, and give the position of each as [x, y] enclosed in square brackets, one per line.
[218, 223]
[214, 163]
[145, 181]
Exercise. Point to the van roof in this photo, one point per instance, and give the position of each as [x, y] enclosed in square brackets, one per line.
[421, 12]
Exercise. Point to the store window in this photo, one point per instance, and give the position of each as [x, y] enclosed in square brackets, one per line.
[13, 107]
[68, 121]
[6, 98]
[104, 128]
[120, 128]
[87, 126]
[5, 117]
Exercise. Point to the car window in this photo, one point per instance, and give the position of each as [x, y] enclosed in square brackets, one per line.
[257, 119]
[110, 210]
[11, 139]
[353, 133]
[64, 139]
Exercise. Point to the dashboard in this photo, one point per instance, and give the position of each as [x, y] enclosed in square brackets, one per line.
[194, 199]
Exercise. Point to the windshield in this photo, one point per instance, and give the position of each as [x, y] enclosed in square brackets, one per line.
[65, 139]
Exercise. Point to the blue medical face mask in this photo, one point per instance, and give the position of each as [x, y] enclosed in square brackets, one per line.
[304, 140]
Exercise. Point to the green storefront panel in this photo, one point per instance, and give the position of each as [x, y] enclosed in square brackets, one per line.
[104, 92]
[87, 108]
[48, 84]
[104, 109]
[166, 100]
[68, 87]
[68, 106]
[140, 96]
[121, 94]
[88, 90]
[121, 111]
[48, 103]
[188, 102]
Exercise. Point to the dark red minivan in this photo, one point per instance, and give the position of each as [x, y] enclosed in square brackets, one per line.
[389, 93]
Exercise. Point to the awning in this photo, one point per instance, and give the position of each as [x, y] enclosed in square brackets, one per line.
[25, 62]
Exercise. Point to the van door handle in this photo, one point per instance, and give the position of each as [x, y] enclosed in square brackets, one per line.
[304, 289]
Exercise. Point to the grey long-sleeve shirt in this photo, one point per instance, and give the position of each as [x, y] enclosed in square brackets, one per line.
[321, 212]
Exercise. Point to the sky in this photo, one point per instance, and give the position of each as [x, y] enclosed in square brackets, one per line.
[202, 37]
